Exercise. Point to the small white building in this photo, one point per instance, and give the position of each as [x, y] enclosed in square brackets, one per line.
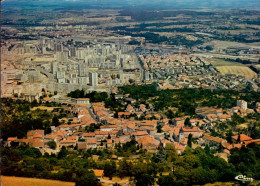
[83, 101]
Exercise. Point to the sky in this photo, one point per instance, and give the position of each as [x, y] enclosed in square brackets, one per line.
[255, 4]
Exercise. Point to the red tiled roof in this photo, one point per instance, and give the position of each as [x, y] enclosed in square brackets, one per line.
[148, 141]
[215, 139]
[131, 125]
[139, 133]
[92, 141]
[194, 129]
[243, 137]
[179, 147]
[68, 141]
[92, 134]
[37, 143]
[178, 119]
[252, 141]
[47, 99]
[11, 138]
[234, 146]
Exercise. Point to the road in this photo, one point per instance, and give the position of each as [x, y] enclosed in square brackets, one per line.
[92, 114]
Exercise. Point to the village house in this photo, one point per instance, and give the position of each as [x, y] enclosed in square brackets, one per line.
[130, 108]
[91, 143]
[50, 137]
[68, 143]
[10, 140]
[142, 107]
[235, 109]
[88, 136]
[130, 128]
[149, 130]
[164, 142]
[124, 114]
[101, 135]
[35, 134]
[108, 127]
[219, 112]
[213, 140]
[148, 142]
[195, 131]
[139, 134]
[110, 144]
[37, 143]
[179, 147]
[241, 138]
[212, 117]
[224, 117]
[82, 145]
[178, 121]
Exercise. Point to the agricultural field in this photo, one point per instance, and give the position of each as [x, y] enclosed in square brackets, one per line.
[21, 181]
[222, 62]
[237, 70]
[229, 67]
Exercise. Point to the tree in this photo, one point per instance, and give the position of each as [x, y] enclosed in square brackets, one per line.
[207, 149]
[166, 180]
[187, 122]
[125, 168]
[170, 114]
[171, 153]
[55, 121]
[52, 144]
[109, 169]
[159, 128]
[190, 140]
[131, 81]
[92, 127]
[208, 47]
[63, 152]
[88, 178]
[144, 179]
[144, 172]
[201, 176]
[229, 135]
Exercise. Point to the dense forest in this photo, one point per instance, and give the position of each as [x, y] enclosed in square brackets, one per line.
[17, 117]
[151, 37]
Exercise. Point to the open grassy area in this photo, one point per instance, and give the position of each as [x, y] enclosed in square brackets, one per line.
[44, 108]
[229, 67]
[237, 70]
[21, 181]
[222, 62]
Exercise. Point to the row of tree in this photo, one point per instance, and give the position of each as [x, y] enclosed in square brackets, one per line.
[193, 167]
